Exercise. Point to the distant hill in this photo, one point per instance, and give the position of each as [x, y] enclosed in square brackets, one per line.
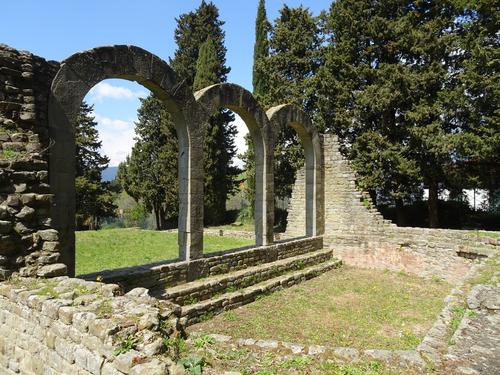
[109, 173]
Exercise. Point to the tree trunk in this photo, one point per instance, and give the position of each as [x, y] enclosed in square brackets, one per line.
[157, 218]
[433, 204]
[400, 214]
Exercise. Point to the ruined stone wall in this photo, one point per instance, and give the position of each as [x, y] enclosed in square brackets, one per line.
[162, 275]
[70, 326]
[296, 219]
[361, 237]
[27, 242]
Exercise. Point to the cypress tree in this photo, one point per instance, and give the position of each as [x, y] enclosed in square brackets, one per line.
[293, 61]
[260, 50]
[195, 29]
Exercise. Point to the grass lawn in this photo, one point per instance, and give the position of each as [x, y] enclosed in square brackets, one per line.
[365, 309]
[116, 248]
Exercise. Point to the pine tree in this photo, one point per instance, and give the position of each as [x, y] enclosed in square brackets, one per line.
[94, 198]
[196, 30]
[149, 174]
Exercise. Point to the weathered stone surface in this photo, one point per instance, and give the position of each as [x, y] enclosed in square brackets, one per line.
[5, 227]
[26, 213]
[52, 270]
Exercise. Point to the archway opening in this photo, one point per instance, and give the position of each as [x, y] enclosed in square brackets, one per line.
[229, 184]
[126, 179]
[289, 185]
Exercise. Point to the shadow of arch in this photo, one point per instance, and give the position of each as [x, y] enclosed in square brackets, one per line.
[242, 102]
[291, 115]
[76, 76]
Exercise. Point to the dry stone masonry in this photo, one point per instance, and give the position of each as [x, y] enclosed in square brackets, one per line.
[53, 324]
[360, 236]
[28, 243]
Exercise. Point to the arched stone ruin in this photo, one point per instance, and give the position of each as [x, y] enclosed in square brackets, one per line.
[63, 93]
[39, 100]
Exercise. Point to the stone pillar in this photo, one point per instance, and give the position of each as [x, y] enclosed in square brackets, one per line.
[28, 243]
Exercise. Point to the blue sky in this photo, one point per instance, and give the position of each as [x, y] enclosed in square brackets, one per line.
[55, 29]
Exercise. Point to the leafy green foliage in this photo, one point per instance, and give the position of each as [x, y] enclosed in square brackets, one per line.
[149, 174]
[260, 50]
[193, 364]
[94, 198]
[126, 345]
[200, 61]
[203, 341]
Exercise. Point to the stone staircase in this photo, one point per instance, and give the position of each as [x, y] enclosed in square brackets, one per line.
[209, 296]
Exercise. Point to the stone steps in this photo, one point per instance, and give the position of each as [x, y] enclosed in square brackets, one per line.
[200, 311]
[200, 290]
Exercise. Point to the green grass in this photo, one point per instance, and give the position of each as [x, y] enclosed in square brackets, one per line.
[116, 248]
[247, 227]
[365, 309]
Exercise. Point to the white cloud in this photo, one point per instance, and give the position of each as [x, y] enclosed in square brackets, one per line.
[239, 140]
[117, 138]
[104, 90]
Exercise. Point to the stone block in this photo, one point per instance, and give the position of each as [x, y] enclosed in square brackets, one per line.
[52, 270]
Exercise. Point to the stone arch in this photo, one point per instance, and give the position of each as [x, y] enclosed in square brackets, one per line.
[291, 115]
[241, 101]
[76, 76]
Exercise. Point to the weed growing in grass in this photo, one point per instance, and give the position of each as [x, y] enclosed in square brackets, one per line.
[230, 316]
[265, 372]
[296, 363]
[299, 265]
[191, 300]
[206, 316]
[231, 289]
[457, 314]
[372, 368]
[203, 341]
[193, 364]
[267, 359]
[175, 345]
[11, 154]
[126, 345]
[410, 339]
[471, 314]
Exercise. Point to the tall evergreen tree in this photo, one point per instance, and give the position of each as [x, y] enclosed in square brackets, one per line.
[260, 52]
[195, 29]
[294, 59]
[149, 175]
[382, 85]
[475, 98]
[94, 198]
[219, 148]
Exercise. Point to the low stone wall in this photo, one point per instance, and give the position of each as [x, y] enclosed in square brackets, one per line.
[72, 326]
[158, 276]
[27, 244]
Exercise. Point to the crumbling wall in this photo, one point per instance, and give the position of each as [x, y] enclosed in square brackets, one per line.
[28, 244]
[361, 237]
